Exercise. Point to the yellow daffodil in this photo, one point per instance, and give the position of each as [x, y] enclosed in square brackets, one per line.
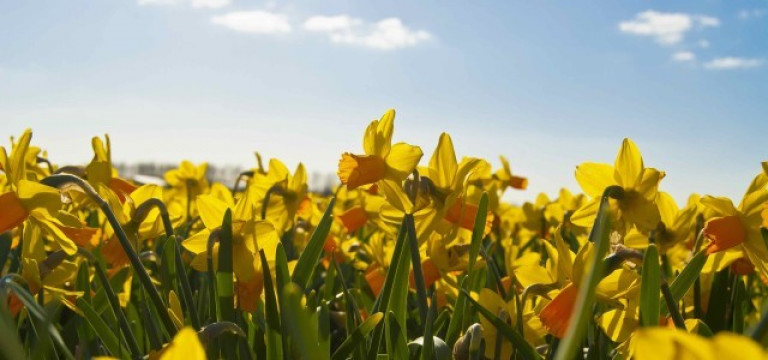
[249, 237]
[100, 170]
[740, 227]
[671, 344]
[637, 207]
[381, 159]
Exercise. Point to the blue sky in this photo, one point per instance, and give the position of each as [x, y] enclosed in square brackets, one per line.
[547, 84]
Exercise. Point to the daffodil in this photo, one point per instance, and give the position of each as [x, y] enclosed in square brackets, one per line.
[38, 204]
[381, 160]
[101, 172]
[739, 227]
[288, 195]
[507, 179]
[249, 236]
[660, 343]
[507, 311]
[637, 206]
[187, 182]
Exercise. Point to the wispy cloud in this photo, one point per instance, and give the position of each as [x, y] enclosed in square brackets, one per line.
[727, 63]
[666, 28]
[198, 4]
[386, 34]
[683, 56]
[255, 22]
[751, 14]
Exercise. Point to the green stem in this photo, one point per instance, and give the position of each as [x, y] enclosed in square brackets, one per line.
[418, 275]
[570, 344]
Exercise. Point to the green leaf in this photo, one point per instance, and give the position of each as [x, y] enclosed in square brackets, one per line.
[382, 301]
[718, 302]
[309, 258]
[397, 347]
[650, 287]
[684, 281]
[5, 248]
[398, 300]
[523, 348]
[418, 276]
[454, 325]
[428, 349]
[299, 325]
[273, 336]
[130, 339]
[102, 330]
[10, 344]
[357, 336]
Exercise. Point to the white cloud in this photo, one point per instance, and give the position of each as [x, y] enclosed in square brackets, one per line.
[727, 63]
[749, 14]
[158, 2]
[255, 22]
[683, 56]
[386, 34]
[331, 23]
[210, 4]
[666, 28]
[704, 44]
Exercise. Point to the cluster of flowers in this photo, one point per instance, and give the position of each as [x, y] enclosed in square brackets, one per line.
[535, 255]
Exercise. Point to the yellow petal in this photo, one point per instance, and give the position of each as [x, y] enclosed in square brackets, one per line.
[667, 208]
[197, 243]
[628, 165]
[49, 227]
[731, 346]
[38, 196]
[396, 196]
[720, 205]
[594, 178]
[384, 130]
[659, 343]
[185, 346]
[211, 210]
[585, 215]
[618, 324]
[17, 165]
[174, 309]
[443, 165]
[402, 160]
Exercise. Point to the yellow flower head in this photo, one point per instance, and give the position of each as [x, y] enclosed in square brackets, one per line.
[640, 184]
[382, 160]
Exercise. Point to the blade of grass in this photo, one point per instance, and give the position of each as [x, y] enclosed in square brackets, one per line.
[125, 328]
[649, 288]
[686, 278]
[304, 342]
[382, 301]
[418, 276]
[102, 330]
[397, 347]
[428, 347]
[309, 258]
[273, 331]
[357, 336]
